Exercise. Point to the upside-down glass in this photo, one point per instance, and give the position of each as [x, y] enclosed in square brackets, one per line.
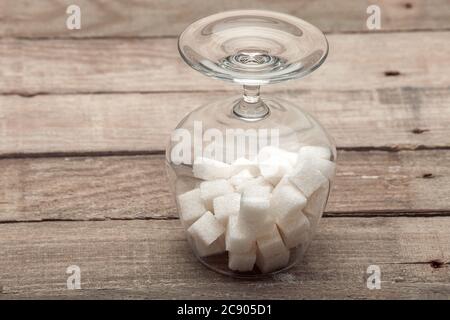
[251, 48]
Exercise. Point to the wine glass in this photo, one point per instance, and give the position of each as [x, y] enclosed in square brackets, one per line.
[218, 148]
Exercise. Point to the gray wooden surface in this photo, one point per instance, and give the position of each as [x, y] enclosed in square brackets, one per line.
[151, 259]
[355, 62]
[85, 115]
[162, 18]
[406, 183]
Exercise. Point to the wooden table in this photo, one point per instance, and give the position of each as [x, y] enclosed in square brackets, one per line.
[85, 114]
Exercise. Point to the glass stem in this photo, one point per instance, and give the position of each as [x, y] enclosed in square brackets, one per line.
[251, 107]
[251, 94]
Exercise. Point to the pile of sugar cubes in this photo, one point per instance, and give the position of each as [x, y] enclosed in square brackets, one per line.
[257, 210]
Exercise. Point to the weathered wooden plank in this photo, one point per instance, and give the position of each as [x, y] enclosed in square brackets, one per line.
[151, 259]
[403, 118]
[136, 187]
[47, 18]
[84, 188]
[356, 61]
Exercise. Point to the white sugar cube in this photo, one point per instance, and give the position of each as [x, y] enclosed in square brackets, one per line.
[287, 200]
[269, 264]
[238, 237]
[226, 206]
[274, 167]
[257, 191]
[191, 207]
[274, 163]
[213, 189]
[315, 206]
[295, 231]
[210, 169]
[206, 229]
[255, 210]
[271, 252]
[271, 243]
[242, 261]
[260, 227]
[244, 164]
[327, 168]
[290, 156]
[269, 151]
[307, 180]
[315, 151]
[255, 203]
[258, 181]
[217, 247]
[240, 178]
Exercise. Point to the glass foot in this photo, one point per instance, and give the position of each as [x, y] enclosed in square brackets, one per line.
[253, 47]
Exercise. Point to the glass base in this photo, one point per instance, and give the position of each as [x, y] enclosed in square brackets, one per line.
[253, 47]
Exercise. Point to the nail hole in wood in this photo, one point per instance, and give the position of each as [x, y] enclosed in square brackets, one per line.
[436, 264]
[391, 73]
[419, 131]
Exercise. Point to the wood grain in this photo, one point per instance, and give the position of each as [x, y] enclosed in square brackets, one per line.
[151, 259]
[402, 118]
[368, 183]
[156, 18]
[84, 188]
[356, 62]
[118, 87]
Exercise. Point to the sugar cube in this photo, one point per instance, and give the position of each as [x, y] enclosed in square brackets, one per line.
[212, 189]
[307, 179]
[327, 168]
[271, 252]
[238, 237]
[290, 156]
[294, 231]
[269, 264]
[257, 191]
[315, 206]
[274, 163]
[258, 181]
[210, 169]
[271, 243]
[218, 246]
[244, 164]
[287, 200]
[255, 203]
[270, 151]
[206, 229]
[191, 207]
[241, 177]
[267, 152]
[315, 151]
[225, 206]
[242, 261]
[274, 168]
[260, 227]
